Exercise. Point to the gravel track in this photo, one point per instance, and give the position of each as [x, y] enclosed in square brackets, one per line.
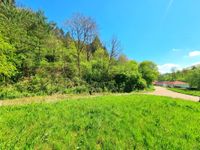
[161, 91]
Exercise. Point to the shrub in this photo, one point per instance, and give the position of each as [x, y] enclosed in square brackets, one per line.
[11, 92]
[76, 90]
[125, 83]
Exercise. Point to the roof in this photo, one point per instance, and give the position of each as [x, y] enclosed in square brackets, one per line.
[172, 82]
[179, 82]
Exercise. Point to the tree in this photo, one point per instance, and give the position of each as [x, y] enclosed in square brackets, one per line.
[173, 70]
[127, 77]
[82, 30]
[7, 67]
[194, 78]
[8, 2]
[122, 59]
[96, 44]
[68, 40]
[37, 57]
[114, 51]
[96, 70]
[149, 71]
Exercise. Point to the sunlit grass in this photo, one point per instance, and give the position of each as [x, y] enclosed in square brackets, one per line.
[185, 91]
[106, 122]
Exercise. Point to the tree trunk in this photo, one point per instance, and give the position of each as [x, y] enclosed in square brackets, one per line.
[79, 64]
[88, 56]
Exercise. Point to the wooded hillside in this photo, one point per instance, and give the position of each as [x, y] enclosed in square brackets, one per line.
[38, 58]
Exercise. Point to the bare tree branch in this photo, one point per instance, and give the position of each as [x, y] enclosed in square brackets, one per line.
[83, 29]
[115, 50]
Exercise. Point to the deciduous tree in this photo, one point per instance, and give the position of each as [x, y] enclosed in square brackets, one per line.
[82, 30]
[149, 71]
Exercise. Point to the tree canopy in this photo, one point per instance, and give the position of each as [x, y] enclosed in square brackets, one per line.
[149, 71]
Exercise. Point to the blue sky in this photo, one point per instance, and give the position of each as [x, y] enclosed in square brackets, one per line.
[164, 31]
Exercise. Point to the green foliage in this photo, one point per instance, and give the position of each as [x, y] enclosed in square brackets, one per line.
[190, 75]
[177, 75]
[108, 122]
[194, 78]
[7, 2]
[36, 57]
[127, 76]
[11, 92]
[125, 83]
[149, 71]
[96, 44]
[7, 66]
[76, 90]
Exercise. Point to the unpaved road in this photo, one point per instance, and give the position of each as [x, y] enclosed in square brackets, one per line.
[161, 91]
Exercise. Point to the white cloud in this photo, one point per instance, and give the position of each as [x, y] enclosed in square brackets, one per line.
[194, 53]
[167, 68]
[195, 64]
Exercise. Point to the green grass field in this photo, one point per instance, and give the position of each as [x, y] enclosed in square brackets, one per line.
[107, 122]
[185, 91]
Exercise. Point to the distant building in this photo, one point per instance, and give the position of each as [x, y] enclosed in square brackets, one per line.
[172, 84]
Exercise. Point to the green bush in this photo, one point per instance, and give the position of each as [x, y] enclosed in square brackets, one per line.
[80, 89]
[125, 83]
[11, 93]
[76, 90]
[141, 84]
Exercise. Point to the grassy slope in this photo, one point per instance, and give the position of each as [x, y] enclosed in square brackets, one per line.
[185, 91]
[109, 122]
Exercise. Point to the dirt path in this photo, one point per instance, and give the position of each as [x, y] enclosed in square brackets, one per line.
[161, 91]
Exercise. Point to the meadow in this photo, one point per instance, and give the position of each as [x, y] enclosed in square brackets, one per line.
[105, 122]
[186, 91]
